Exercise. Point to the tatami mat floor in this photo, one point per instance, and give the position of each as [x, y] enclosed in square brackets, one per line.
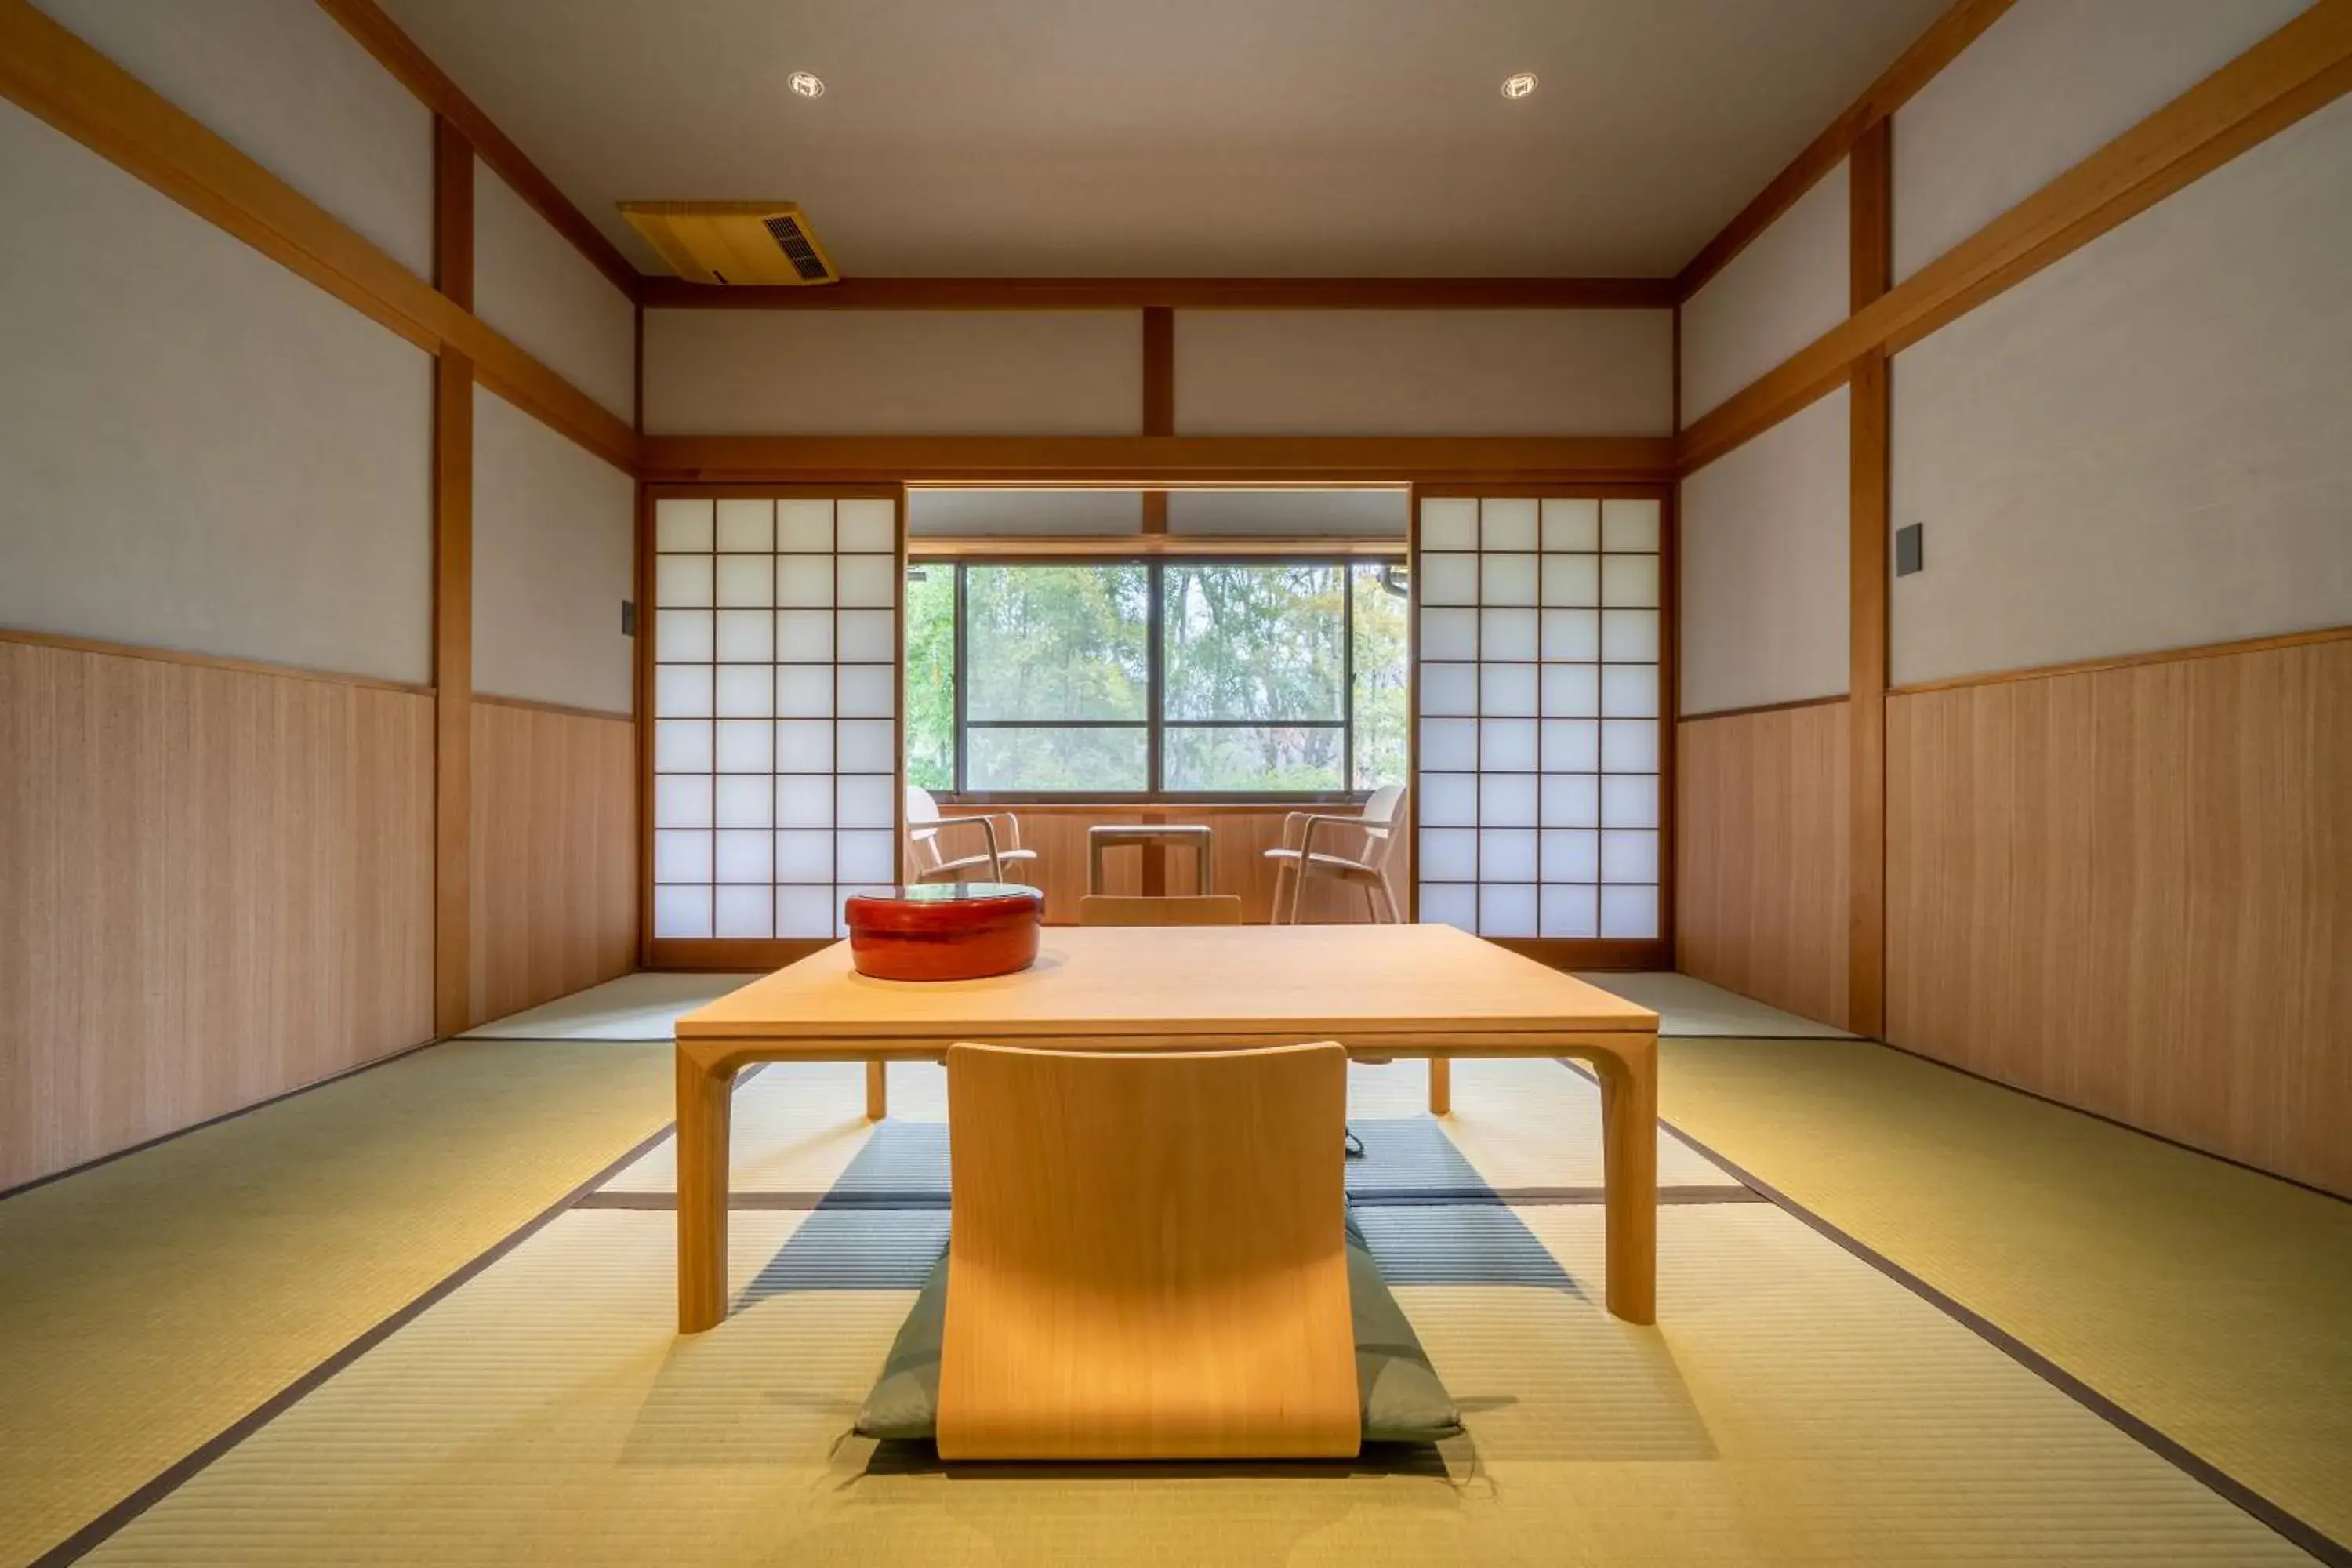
[1796, 1404]
[2212, 1302]
[1793, 1406]
[149, 1302]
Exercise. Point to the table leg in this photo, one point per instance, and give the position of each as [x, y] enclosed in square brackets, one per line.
[877, 1090]
[1629, 1116]
[704, 1096]
[1094, 864]
[1440, 1086]
[1204, 867]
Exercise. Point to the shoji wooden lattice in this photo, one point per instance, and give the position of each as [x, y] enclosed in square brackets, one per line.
[775, 712]
[1538, 788]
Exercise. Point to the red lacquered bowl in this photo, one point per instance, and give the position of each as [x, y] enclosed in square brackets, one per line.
[944, 931]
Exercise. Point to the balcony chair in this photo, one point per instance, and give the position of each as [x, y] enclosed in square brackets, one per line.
[989, 843]
[1351, 849]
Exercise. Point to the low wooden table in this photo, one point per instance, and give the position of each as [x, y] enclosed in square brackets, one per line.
[1380, 989]
[1140, 835]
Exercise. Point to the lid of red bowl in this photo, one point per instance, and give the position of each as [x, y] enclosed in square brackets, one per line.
[941, 906]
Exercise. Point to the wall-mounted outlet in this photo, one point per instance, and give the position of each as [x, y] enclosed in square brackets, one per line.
[1908, 550]
[629, 617]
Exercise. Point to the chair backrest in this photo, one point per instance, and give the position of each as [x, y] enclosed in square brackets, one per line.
[923, 821]
[1189, 909]
[1149, 1259]
[1384, 816]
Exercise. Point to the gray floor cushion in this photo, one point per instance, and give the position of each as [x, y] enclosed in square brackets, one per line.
[1402, 1399]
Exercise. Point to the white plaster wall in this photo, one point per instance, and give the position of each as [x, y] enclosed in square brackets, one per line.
[284, 84]
[1424, 372]
[1791, 284]
[2149, 444]
[1291, 514]
[2043, 87]
[555, 527]
[1765, 607]
[210, 455]
[975, 514]
[534, 286]
[934, 373]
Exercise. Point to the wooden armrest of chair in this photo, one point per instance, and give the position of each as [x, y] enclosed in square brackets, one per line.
[987, 825]
[1319, 819]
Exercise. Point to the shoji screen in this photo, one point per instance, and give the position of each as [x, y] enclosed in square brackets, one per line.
[1540, 729]
[775, 704]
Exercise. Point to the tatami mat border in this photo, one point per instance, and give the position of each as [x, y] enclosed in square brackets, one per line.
[2307, 1536]
[91, 1535]
[279, 1098]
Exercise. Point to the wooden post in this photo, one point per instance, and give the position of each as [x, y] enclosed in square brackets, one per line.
[1872, 203]
[452, 596]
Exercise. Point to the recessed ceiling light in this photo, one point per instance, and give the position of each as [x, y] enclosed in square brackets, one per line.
[1519, 86]
[808, 84]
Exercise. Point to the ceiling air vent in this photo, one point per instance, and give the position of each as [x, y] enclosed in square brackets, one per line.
[733, 242]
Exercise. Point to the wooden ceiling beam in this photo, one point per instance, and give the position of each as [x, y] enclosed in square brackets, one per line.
[1937, 47]
[1146, 461]
[1176, 293]
[414, 69]
[2301, 68]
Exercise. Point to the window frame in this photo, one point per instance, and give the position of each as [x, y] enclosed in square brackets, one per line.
[1155, 723]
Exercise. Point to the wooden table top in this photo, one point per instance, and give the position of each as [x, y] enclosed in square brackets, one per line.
[1148, 984]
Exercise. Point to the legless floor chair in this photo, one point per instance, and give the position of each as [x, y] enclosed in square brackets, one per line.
[1152, 1260]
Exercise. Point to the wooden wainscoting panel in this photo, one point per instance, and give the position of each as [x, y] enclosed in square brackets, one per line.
[216, 885]
[2131, 891]
[555, 859]
[1761, 855]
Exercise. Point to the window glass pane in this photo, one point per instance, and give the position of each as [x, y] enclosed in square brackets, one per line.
[1382, 674]
[1264, 643]
[1036, 757]
[1050, 643]
[931, 677]
[1254, 759]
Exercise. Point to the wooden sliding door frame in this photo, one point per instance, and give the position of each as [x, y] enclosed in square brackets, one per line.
[1579, 953]
[748, 953]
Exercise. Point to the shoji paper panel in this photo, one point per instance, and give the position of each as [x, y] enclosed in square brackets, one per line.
[775, 712]
[1537, 804]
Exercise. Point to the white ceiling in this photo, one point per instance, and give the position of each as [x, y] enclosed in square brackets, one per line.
[968, 138]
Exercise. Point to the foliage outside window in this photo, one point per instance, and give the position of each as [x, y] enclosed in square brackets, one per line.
[1136, 678]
